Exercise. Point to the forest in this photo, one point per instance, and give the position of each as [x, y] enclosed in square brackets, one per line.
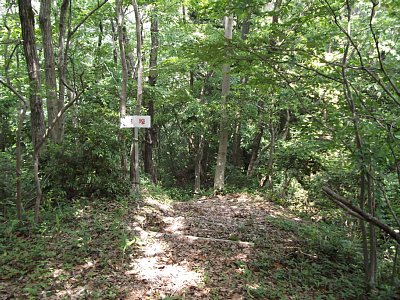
[264, 162]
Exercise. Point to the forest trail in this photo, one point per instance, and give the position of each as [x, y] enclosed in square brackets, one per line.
[226, 247]
[208, 249]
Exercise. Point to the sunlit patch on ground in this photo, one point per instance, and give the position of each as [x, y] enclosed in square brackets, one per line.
[158, 274]
[175, 225]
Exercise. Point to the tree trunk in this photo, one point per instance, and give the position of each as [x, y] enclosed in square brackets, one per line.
[364, 234]
[23, 106]
[50, 69]
[36, 106]
[124, 84]
[236, 143]
[373, 259]
[32, 61]
[115, 38]
[200, 139]
[255, 149]
[151, 133]
[18, 150]
[270, 164]
[59, 130]
[347, 91]
[197, 164]
[135, 179]
[237, 137]
[219, 179]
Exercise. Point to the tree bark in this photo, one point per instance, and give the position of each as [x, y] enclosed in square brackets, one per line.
[200, 139]
[151, 133]
[360, 214]
[50, 68]
[32, 61]
[255, 149]
[237, 136]
[36, 106]
[19, 161]
[124, 83]
[219, 179]
[135, 179]
[59, 130]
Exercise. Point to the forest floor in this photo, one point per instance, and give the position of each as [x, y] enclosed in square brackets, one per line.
[226, 247]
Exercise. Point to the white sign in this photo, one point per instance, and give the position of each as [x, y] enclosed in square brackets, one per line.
[126, 122]
[135, 121]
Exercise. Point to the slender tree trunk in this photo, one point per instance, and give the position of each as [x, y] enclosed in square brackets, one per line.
[255, 149]
[268, 178]
[363, 228]
[124, 84]
[236, 143]
[271, 157]
[200, 139]
[18, 169]
[151, 133]
[22, 108]
[237, 136]
[197, 164]
[115, 38]
[219, 179]
[36, 106]
[32, 62]
[50, 69]
[59, 130]
[135, 145]
[372, 259]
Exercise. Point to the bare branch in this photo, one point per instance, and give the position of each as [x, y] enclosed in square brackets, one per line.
[360, 214]
[375, 77]
[59, 115]
[380, 58]
[12, 89]
[71, 33]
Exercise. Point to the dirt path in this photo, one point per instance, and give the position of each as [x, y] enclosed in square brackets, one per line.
[227, 247]
[206, 249]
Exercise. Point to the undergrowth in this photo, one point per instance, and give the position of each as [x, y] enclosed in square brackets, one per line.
[74, 252]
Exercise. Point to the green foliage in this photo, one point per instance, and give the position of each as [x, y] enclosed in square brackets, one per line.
[7, 179]
[324, 266]
[87, 164]
[8, 184]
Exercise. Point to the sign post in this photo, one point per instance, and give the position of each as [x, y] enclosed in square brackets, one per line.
[136, 122]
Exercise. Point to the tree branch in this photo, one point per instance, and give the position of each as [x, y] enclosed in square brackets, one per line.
[12, 89]
[375, 77]
[59, 115]
[71, 33]
[360, 214]
[380, 58]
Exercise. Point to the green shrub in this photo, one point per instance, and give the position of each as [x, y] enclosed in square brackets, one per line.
[88, 162]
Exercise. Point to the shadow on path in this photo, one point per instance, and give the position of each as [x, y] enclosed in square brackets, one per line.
[206, 249]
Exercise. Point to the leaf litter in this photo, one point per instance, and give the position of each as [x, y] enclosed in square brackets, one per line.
[200, 249]
[223, 247]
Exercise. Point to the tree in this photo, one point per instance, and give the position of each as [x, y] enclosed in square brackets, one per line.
[36, 105]
[139, 95]
[50, 69]
[124, 83]
[151, 133]
[219, 179]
